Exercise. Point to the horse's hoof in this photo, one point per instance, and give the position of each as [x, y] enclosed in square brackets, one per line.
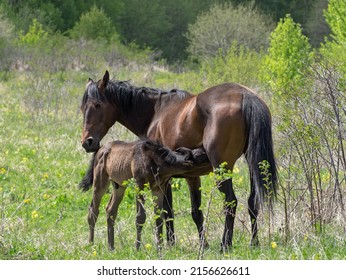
[225, 248]
[254, 243]
[204, 244]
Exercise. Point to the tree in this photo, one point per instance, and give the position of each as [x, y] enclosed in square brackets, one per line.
[289, 57]
[333, 51]
[94, 25]
[223, 24]
[6, 41]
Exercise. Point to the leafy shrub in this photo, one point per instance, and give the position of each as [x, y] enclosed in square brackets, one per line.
[93, 25]
[222, 25]
[333, 51]
[289, 57]
[239, 64]
[6, 41]
[35, 34]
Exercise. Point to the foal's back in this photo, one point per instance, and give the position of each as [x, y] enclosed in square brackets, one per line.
[115, 158]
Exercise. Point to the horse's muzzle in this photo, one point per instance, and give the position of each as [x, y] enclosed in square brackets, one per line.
[91, 145]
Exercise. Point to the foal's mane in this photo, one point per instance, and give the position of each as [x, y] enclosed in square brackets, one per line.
[126, 96]
[159, 150]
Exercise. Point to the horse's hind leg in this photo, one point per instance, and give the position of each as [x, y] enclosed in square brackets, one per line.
[112, 212]
[230, 206]
[253, 212]
[140, 219]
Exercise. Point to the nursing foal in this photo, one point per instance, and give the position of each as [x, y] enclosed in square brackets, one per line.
[146, 162]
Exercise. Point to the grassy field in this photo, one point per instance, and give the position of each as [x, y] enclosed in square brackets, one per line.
[43, 213]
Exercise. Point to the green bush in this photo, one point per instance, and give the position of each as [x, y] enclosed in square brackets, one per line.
[288, 59]
[93, 25]
[222, 25]
[6, 42]
[239, 64]
[35, 34]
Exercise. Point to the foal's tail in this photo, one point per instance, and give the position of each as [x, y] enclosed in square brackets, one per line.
[88, 178]
[259, 150]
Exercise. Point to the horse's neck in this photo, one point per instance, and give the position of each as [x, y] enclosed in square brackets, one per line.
[138, 119]
[138, 123]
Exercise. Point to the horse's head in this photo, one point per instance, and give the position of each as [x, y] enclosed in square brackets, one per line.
[98, 114]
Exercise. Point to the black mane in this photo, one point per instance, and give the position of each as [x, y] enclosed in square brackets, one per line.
[126, 96]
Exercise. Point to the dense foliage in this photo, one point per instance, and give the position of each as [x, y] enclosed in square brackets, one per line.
[158, 24]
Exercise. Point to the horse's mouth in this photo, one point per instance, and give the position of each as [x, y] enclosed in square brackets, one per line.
[91, 145]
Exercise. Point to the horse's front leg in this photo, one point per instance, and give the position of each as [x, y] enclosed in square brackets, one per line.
[169, 214]
[159, 198]
[112, 212]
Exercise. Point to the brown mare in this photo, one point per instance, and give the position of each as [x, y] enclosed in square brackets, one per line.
[146, 162]
[228, 120]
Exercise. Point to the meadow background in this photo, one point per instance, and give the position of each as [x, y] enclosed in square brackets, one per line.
[295, 62]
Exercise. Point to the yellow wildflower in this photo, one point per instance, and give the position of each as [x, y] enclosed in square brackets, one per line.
[27, 201]
[148, 246]
[34, 214]
[273, 244]
[2, 170]
[46, 196]
[45, 176]
[24, 159]
[94, 253]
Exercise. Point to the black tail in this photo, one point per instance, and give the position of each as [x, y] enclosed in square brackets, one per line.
[259, 151]
[88, 178]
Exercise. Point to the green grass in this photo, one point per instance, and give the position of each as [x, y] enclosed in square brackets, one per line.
[43, 213]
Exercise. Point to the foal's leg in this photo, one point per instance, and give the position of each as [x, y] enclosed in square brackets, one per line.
[101, 183]
[230, 206]
[253, 212]
[197, 214]
[140, 219]
[112, 212]
[169, 214]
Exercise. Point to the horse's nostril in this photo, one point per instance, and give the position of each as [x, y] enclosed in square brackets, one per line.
[89, 141]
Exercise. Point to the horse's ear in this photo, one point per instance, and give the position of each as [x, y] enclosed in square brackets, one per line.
[88, 83]
[105, 79]
[102, 84]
